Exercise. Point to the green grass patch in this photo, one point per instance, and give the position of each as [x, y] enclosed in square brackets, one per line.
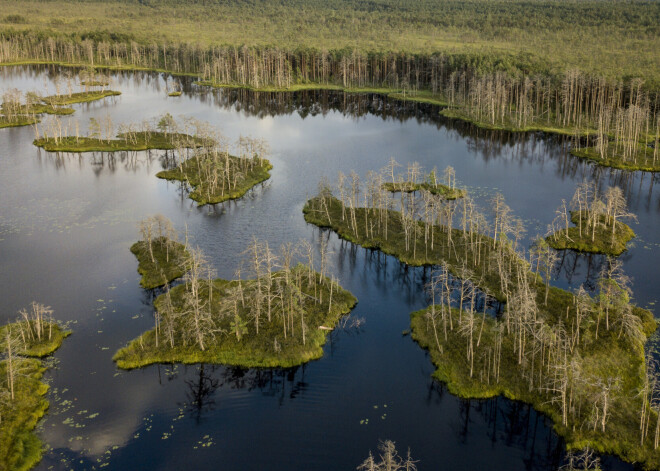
[25, 115]
[81, 97]
[543, 331]
[303, 302]
[94, 83]
[593, 363]
[600, 240]
[134, 142]
[174, 94]
[462, 115]
[17, 122]
[420, 96]
[167, 264]
[643, 159]
[206, 174]
[437, 189]
[443, 250]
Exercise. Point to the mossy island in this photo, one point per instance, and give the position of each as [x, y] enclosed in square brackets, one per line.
[427, 238]
[576, 357]
[216, 176]
[19, 110]
[275, 319]
[643, 156]
[410, 181]
[22, 393]
[141, 140]
[164, 133]
[80, 97]
[597, 222]
[161, 258]
[174, 94]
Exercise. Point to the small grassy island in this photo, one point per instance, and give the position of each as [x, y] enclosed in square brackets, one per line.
[161, 258]
[81, 97]
[174, 94]
[216, 177]
[14, 112]
[22, 401]
[597, 226]
[276, 319]
[409, 182]
[400, 233]
[580, 359]
[640, 156]
[143, 140]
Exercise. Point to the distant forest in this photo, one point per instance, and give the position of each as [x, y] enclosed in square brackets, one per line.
[609, 38]
[582, 68]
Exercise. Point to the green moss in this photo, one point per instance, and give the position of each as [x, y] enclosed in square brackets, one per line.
[596, 359]
[82, 97]
[437, 189]
[168, 261]
[136, 142]
[17, 122]
[26, 115]
[52, 339]
[419, 96]
[44, 108]
[20, 448]
[417, 254]
[271, 347]
[641, 160]
[602, 240]
[614, 353]
[456, 113]
[201, 170]
[94, 83]
[174, 94]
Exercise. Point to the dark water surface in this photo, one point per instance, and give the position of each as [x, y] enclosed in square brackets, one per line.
[67, 222]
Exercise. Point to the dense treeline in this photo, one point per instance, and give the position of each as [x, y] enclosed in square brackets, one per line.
[519, 94]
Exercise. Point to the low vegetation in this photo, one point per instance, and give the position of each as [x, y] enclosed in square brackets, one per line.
[53, 136]
[409, 182]
[643, 156]
[388, 459]
[161, 258]
[421, 231]
[576, 357]
[19, 110]
[81, 97]
[136, 142]
[580, 360]
[22, 403]
[217, 176]
[598, 227]
[278, 318]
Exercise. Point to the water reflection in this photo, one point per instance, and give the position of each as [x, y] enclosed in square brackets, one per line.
[68, 220]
